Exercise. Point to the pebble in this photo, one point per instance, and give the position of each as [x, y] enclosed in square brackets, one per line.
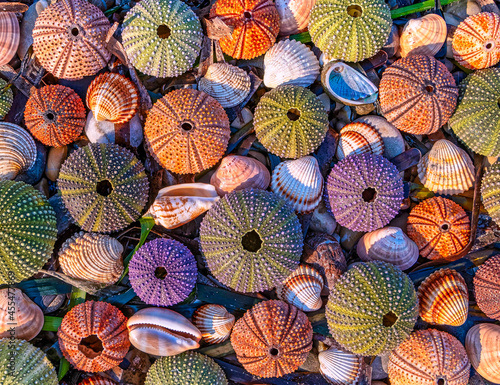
[57, 156]
[322, 221]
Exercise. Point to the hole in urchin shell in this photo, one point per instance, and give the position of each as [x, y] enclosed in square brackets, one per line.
[389, 319]
[369, 194]
[50, 116]
[186, 126]
[247, 15]
[75, 31]
[354, 10]
[429, 88]
[160, 272]
[440, 381]
[251, 241]
[273, 352]
[104, 187]
[489, 45]
[445, 227]
[163, 31]
[293, 114]
[91, 346]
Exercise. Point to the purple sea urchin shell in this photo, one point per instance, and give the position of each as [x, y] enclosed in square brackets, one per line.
[163, 272]
[365, 192]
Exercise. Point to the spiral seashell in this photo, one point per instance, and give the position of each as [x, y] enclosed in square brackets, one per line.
[10, 35]
[359, 138]
[214, 322]
[177, 205]
[483, 347]
[112, 97]
[92, 257]
[446, 169]
[17, 150]
[487, 287]
[290, 62]
[227, 84]
[237, 172]
[490, 191]
[423, 36]
[98, 380]
[389, 244]
[302, 289]
[444, 298]
[341, 368]
[6, 98]
[294, 15]
[19, 312]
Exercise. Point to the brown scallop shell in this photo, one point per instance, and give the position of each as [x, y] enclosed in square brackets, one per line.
[9, 36]
[214, 322]
[487, 287]
[359, 138]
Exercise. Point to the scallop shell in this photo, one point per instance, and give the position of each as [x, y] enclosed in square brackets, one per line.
[112, 97]
[237, 172]
[389, 244]
[391, 136]
[343, 83]
[446, 169]
[17, 150]
[423, 36]
[299, 182]
[177, 205]
[487, 287]
[290, 62]
[483, 347]
[294, 15]
[9, 36]
[302, 289]
[214, 322]
[341, 368]
[359, 138]
[92, 257]
[444, 298]
[227, 84]
[98, 380]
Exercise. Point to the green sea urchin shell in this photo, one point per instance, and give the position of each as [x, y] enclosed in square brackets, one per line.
[476, 121]
[372, 308]
[28, 231]
[187, 368]
[251, 239]
[490, 191]
[350, 30]
[6, 98]
[290, 121]
[162, 38]
[24, 364]
[104, 187]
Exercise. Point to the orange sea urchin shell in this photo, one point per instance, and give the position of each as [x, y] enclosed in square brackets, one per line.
[487, 287]
[256, 25]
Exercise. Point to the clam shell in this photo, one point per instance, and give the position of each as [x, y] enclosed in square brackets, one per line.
[214, 322]
[443, 298]
[17, 150]
[302, 289]
[21, 313]
[177, 205]
[341, 368]
[227, 84]
[294, 15]
[483, 347]
[423, 36]
[359, 138]
[9, 36]
[391, 136]
[446, 169]
[487, 287]
[389, 244]
[290, 62]
[299, 182]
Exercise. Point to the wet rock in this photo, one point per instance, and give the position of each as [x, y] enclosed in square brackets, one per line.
[247, 116]
[322, 221]
[43, 187]
[64, 219]
[378, 372]
[348, 238]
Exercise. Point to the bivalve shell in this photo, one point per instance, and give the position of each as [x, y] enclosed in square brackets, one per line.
[391, 136]
[294, 15]
[483, 347]
[214, 322]
[359, 138]
[341, 368]
[423, 36]
[10, 35]
[98, 380]
[302, 289]
[17, 150]
[487, 287]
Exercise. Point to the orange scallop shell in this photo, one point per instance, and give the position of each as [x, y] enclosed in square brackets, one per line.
[98, 380]
[9, 36]
[256, 25]
[487, 287]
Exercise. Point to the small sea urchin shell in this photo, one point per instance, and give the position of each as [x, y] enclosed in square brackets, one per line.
[423, 36]
[272, 339]
[251, 240]
[490, 192]
[163, 272]
[17, 151]
[359, 138]
[214, 322]
[365, 192]
[9, 36]
[341, 368]
[487, 287]
[6, 98]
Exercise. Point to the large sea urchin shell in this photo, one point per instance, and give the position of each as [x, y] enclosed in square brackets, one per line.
[483, 347]
[341, 368]
[377, 321]
[214, 322]
[487, 287]
[490, 192]
[17, 150]
[104, 187]
[9, 36]
[272, 339]
[423, 36]
[251, 239]
[418, 94]
[68, 39]
[365, 192]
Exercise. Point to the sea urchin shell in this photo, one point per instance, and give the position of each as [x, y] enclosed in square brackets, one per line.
[487, 287]
[490, 192]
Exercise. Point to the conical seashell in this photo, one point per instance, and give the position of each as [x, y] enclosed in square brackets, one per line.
[17, 150]
[423, 36]
[237, 172]
[446, 169]
[92, 257]
[214, 322]
[389, 244]
[294, 15]
[21, 313]
[444, 298]
[343, 83]
[483, 348]
[9, 36]
[302, 289]
[290, 62]
[227, 84]
[112, 97]
[299, 182]
[180, 204]
[358, 138]
[341, 368]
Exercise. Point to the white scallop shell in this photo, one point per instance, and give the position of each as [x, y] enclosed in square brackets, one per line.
[294, 15]
[214, 322]
[17, 150]
[359, 138]
[302, 289]
[341, 368]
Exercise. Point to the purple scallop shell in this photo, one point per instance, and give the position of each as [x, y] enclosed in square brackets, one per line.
[365, 192]
[167, 286]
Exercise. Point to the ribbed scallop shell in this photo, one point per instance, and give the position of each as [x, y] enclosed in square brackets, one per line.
[423, 36]
[6, 98]
[227, 84]
[214, 322]
[483, 347]
[68, 39]
[359, 138]
[112, 97]
[341, 368]
[443, 298]
[476, 41]
[487, 287]
[9, 36]
[302, 289]
[446, 169]
[294, 15]
[290, 62]
[92, 257]
[17, 150]
[299, 182]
